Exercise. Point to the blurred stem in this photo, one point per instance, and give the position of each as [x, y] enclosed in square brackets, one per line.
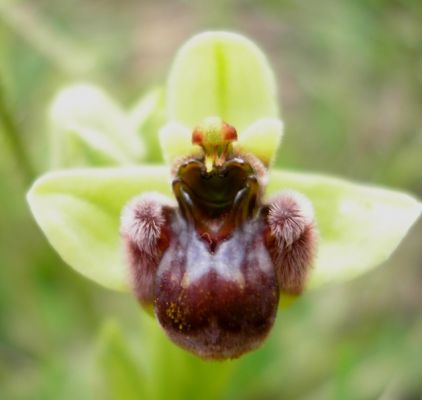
[14, 138]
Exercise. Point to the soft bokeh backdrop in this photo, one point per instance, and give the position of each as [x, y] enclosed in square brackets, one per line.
[350, 80]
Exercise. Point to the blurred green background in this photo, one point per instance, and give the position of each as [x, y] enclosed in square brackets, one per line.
[350, 77]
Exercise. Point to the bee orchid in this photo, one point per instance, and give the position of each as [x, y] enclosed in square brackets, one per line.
[215, 239]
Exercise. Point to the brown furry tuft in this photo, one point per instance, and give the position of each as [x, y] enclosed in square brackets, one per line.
[288, 215]
[142, 220]
[145, 233]
[142, 268]
[292, 238]
[294, 262]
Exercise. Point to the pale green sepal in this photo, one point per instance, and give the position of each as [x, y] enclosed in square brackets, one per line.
[360, 225]
[176, 142]
[88, 128]
[79, 212]
[262, 139]
[224, 74]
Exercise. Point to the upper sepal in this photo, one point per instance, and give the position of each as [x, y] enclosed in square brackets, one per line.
[224, 74]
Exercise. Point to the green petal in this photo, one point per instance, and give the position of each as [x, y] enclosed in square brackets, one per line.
[88, 128]
[176, 142]
[85, 146]
[79, 212]
[145, 107]
[262, 138]
[360, 226]
[148, 116]
[221, 74]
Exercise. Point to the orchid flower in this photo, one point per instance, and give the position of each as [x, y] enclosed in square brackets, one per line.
[220, 106]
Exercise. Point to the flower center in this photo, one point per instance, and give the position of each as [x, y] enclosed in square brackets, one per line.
[215, 138]
[218, 191]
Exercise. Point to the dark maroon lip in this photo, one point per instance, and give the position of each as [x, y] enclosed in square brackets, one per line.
[214, 267]
[227, 310]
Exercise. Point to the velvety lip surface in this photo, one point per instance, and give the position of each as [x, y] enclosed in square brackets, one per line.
[217, 305]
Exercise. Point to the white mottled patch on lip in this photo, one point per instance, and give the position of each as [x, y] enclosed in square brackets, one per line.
[230, 259]
[228, 262]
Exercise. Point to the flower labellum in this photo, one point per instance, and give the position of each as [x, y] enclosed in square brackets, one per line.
[213, 266]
